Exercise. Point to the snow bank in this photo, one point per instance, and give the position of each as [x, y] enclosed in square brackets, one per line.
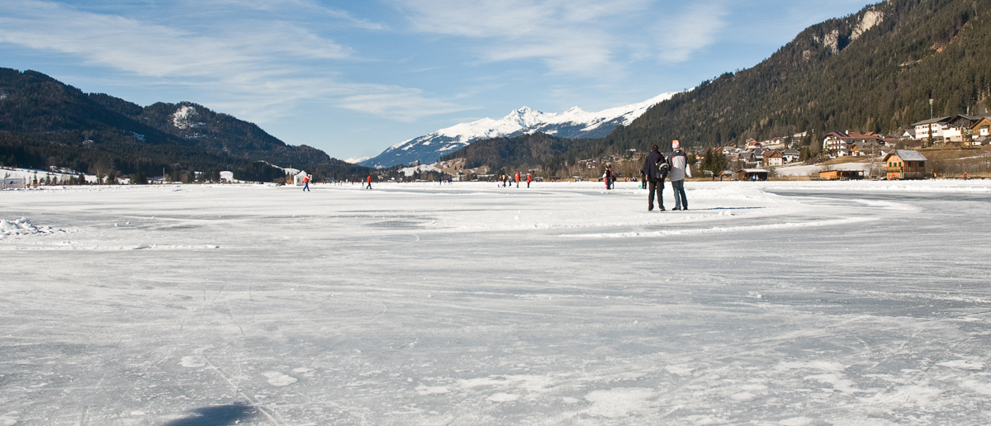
[23, 226]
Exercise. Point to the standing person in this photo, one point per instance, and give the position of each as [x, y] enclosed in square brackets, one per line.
[517, 179]
[369, 180]
[679, 169]
[528, 180]
[653, 169]
[608, 177]
[306, 183]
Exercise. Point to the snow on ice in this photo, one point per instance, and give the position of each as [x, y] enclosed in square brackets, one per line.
[771, 303]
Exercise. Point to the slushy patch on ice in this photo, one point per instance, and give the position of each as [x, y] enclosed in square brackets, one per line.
[276, 378]
[192, 361]
[503, 397]
[962, 364]
[431, 390]
[8, 419]
[621, 402]
[23, 226]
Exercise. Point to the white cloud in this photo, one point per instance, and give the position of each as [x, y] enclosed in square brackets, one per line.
[569, 36]
[595, 38]
[696, 28]
[399, 103]
[256, 71]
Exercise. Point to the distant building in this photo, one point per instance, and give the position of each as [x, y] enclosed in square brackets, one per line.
[773, 157]
[838, 143]
[905, 164]
[841, 174]
[957, 128]
[982, 128]
[791, 155]
[752, 174]
[932, 128]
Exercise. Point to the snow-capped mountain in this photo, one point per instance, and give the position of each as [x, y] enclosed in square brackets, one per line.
[574, 123]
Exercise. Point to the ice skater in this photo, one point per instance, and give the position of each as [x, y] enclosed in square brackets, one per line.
[679, 170]
[655, 170]
[369, 180]
[306, 183]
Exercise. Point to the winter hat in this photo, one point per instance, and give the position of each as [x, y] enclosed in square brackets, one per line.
[675, 144]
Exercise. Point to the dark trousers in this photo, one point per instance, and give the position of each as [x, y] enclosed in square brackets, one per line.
[655, 186]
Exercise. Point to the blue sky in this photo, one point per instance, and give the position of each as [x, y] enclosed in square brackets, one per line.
[355, 77]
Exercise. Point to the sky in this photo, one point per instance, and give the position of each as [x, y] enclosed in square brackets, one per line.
[355, 77]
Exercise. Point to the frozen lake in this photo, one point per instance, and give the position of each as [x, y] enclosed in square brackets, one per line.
[775, 303]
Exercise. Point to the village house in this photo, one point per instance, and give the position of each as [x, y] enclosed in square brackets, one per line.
[905, 164]
[838, 143]
[958, 128]
[933, 128]
[791, 155]
[773, 157]
[981, 130]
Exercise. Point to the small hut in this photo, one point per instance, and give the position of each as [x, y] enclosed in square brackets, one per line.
[752, 174]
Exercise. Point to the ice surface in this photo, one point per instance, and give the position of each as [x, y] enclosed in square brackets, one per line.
[771, 303]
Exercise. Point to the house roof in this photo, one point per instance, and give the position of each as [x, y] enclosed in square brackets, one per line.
[932, 120]
[908, 155]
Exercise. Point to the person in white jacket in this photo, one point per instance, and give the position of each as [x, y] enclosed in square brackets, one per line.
[679, 169]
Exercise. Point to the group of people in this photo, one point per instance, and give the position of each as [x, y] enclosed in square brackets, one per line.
[308, 178]
[674, 168]
[507, 180]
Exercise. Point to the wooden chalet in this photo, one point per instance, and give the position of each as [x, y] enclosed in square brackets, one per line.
[841, 175]
[905, 164]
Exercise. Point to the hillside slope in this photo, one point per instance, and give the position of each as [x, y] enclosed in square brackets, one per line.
[44, 122]
[872, 71]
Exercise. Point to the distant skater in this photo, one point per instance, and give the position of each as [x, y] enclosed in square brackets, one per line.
[369, 180]
[654, 171]
[679, 169]
[528, 180]
[608, 177]
[517, 179]
[306, 183]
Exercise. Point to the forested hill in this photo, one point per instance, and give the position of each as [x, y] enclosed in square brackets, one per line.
[872, 71]
[44, 122]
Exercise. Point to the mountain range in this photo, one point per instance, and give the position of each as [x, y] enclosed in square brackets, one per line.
[45, 123]
[574, 123]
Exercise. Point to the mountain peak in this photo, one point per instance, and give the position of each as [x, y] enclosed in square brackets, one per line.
[575, 123]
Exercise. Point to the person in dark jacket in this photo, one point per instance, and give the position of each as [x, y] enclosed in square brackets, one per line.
[655, 177]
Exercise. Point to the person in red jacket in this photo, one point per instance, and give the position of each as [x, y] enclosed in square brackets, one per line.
[528, 180]
[517, 179]
[369, 180]
[306, 183]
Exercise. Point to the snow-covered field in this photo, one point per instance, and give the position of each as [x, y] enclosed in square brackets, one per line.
[772, 303]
